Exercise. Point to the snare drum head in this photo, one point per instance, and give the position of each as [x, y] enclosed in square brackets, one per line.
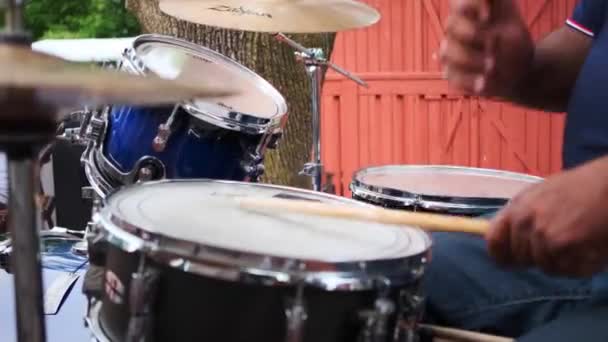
[257, 103]
[455, 186]
[204, 212]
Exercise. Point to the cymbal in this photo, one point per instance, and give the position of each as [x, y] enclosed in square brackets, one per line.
[287, 16]
[85, 50]
[65, 84]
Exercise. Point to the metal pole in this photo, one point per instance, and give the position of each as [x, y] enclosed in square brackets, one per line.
[315, 73]
[315, 62]
[23, 224]
[23, 218]
[14, 16]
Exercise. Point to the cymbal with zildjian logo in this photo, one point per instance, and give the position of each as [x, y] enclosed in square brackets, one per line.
[288, 16]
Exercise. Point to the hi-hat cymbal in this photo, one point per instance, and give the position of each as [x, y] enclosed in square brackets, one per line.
[288, 16]
[65, 84]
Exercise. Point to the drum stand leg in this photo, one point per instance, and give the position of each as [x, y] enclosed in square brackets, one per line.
[314, 169]
[22, 142]
[24, 225]
[315, 63]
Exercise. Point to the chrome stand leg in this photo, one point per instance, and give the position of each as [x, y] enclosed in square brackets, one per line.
[315, 168]
[22, 143]
[24, 226]
[315, 62]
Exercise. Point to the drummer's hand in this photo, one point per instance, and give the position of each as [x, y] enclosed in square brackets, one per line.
[487, 49]
[560, 225]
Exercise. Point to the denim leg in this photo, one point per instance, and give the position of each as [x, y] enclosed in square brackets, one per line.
[584, 325]
[464, 288]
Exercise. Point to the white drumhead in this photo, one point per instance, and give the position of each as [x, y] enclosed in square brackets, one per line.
[447, 181]
[172, 58]
[203, 212]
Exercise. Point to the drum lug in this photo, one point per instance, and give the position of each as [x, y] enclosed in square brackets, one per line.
[141, 291]
[296, 317]
[410, 316]
[377, 321]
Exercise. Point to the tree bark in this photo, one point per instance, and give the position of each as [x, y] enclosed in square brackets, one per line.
[272, 60]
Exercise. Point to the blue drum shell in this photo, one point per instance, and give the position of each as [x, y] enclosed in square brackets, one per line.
[195, 149]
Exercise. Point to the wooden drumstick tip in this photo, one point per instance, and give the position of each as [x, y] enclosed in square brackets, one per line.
[457, 335]
[429, 222]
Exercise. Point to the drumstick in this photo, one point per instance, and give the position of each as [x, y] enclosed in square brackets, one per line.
[457, 335]
[430, 222]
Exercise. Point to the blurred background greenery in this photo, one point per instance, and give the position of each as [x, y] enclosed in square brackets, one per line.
[48, 19]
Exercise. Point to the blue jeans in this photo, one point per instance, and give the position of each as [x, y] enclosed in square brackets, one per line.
[466, 289]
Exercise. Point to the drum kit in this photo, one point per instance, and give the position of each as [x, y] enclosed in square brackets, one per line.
[175, 135]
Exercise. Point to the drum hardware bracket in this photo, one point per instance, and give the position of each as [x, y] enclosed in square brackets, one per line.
[90, 234]
[142, 289]
[296, 316]
[74, 135]
[71, 135]
[254, 168]
[315, 62]
[153, 165]
[164, 131]
[96, 129]
[87, 192]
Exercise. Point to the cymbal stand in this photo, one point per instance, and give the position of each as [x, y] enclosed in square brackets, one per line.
[315, 62]
[22, 145]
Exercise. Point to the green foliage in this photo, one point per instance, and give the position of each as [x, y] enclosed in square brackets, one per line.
[79, 19]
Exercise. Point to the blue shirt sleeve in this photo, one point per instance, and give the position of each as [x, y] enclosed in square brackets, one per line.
[588, 17]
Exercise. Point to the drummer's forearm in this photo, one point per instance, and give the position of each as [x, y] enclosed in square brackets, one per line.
[552, 72]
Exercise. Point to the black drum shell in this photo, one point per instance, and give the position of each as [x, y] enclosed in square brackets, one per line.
[190, 307]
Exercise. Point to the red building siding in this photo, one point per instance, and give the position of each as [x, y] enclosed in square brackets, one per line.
[408, 115]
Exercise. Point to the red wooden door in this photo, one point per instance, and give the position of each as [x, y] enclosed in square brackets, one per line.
[409, 115]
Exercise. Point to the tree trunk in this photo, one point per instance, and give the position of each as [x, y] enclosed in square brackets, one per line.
[273, 61]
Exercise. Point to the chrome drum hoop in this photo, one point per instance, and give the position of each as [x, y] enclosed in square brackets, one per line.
[93, 322]
[391, 196]
[232, 265]
[232, 120]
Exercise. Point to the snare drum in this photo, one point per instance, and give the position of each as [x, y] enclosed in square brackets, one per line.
[443, 189]
[199, 268]
[215, 139]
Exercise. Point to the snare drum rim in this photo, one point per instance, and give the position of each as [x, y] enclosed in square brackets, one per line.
[382, 195]
[235, 266]
[236, 121]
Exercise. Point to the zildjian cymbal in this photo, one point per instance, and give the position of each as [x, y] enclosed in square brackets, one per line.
[288, 16]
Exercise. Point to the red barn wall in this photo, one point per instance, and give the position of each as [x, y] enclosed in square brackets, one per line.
[409, 115]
